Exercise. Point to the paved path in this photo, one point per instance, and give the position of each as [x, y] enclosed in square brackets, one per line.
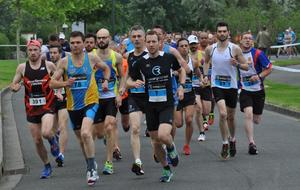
[289, 75]
[276, 167]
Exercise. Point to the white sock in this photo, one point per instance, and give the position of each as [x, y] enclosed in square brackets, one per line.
[138, 161]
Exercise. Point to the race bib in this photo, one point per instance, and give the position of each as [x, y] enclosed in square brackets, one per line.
[195, 80]
[37, 101]
[111, 85]
[247, 82]
[223, 81]
[188, 87]
[138, 90]
[62, 91]
[157, 93]
[79, 85]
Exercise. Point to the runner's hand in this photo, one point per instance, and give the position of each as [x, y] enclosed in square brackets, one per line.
[118, 101]
[254, 78]
[70, 81]
[180, 92]
[105, 86]
[15, 87]
[139, 83]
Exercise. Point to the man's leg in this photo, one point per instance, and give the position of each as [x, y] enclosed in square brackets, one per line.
[63, 127]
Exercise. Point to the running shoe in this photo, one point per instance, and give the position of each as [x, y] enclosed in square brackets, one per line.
[166, 175]
[252, 149]
[91, 177]
[60, 160]
[173, 156]
[224, 152]
[108, 168]
[205, 126]
[46, 172]
[117, 154]
[232, 148]
[211, 118]
[201, 136]
[137, 169]
[186, 149]
[54, 148]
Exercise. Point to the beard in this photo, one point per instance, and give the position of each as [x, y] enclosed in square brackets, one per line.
[223, 38]
[104, 46]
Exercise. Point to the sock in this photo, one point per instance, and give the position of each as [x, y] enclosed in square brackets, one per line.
[90, 164]
[170, 148]
[138, 161]
[167, 167]
[52, 141]
[48, 165]
[225, 142]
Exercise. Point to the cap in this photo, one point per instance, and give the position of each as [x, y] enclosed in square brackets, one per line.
[33, 43]
[193, 39]
[61, 36]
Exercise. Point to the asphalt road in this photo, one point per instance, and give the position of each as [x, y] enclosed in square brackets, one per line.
[276, 167]
[288, 77]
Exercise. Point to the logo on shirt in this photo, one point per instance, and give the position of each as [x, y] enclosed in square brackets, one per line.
[156, 70]
[42, 68]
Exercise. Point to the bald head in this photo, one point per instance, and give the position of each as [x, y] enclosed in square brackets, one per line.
[103, 31]
[103, 38]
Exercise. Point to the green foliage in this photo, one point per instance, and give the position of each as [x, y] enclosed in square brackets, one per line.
[4, 51]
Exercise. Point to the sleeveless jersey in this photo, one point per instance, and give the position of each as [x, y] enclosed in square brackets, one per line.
[224, 74]
[84, 90]
[112, 83]
[39, 97]
[188, 87]
[132, 59]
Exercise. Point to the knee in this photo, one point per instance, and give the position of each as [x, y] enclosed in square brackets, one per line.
[256, 120]
[178, 123]
[223, 115]
[47, 134]
[109, 125]
[135, 130]
[248, 116]
[85, 134]
[38, 140]
[230, 117]
[189, 121]
[162, 136]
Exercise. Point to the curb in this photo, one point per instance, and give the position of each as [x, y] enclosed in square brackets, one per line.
[1, 139]
[12, 163]
[282, 110]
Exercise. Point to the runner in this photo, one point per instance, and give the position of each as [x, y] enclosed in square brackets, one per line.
[90, 42]
[137, 97]
[252, 97]
[110, 99]
[155, 67]
[186, 105]
[60, 107]
[39, 102]
[78, 73]
[225, 58]
[203, 93]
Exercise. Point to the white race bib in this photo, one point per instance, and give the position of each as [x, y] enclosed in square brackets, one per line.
[37, 101]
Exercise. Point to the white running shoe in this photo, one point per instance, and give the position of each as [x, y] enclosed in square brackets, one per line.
[92, 177]
[201, 137]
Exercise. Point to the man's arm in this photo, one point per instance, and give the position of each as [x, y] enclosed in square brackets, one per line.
[239, 60]
[15, 85]
[179, 58]
[55, 82]
[99, 64]
[182, 76]
[120, 69]
[206, 65]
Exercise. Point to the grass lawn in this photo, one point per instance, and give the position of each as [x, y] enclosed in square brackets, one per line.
[284, 95]
[7, 71]
[286, 62]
